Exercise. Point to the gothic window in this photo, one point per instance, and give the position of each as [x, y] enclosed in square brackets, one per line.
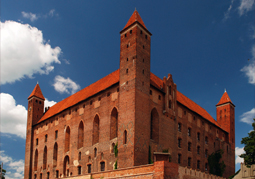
[198, 164]
[179, 127]
[189, 146]
[89, 168]
[114, 124]
[198, 150]
[180, 143]
[179, 158]
[189, 132]
[46, 137]
[80, 135]
[36, 160]
[45, 157]
[55, 155]
[206, 153]
[189, 161]
[37, 141]
[57, 173]
[96, 130]
[206, 140]
[56, 135]
[48, 175]
[154, 126]
[67, 139]
[102, 166]
[95, 152]
[125, 137]
[127, 59]
[198, 136]
[79, 170]
[66, 166]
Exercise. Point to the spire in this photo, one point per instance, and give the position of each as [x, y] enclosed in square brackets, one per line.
[135, 18]
[224, 99]
[36, 92]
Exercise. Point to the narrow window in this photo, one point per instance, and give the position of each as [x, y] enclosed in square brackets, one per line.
[67, 139]
[40, 175]
[143, 71]
[145, 36]
[198, 150]
[66, 166]
[45, 158]
[143, 60]
[35, 176]
[198, 164]
[130, 31]
[169, 104]
[143, 46]
[126, 71]
[127, 59]
[179, 127]
[184, 112]
[57, 173]
[194, 118]
[114, 124]
[189, 132]
[125, 35]
[198, 136]
[96, 130]
[179, 158]
[102, 166]
[79, 155]
[141, 32]
[125, 137]
[79, 170]
[189, 161]
[80, 135]
[206, 153]
[45, 138]
[37, 141]
[179, 143]
[112, 149]
[56, 135]
[89, 168]
[55, 155]
[95, 152]
[206, 166]
[206, 140]
[48, 175]
[150, 92]
[36, 160]
[189, 146]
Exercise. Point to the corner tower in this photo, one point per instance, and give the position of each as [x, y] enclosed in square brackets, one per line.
[34, 113]
[134, 112]
[225, 111]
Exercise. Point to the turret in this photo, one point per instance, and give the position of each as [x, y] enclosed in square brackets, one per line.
[225, 111]
[34, 113]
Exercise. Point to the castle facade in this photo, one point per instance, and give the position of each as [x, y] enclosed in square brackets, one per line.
[122, 119]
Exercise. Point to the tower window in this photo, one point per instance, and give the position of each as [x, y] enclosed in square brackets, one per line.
[180, 143]
[126, 71]
[206, 153]
[57, 173]
[189, 161]
[198, 150]
[179, 127]
[46, 137]
[206, 166]
[130, 31]
[127, 59]
[206, 140]
[143, 60]
[37, 141]
[125, 137]
[56, 134]
[198, 136]
[198, 164]
[189, 132]
[125, 35]
[79, 170]
[189, 146]
[179, 158]
[48, 175]
[145, 36]
[150, 92]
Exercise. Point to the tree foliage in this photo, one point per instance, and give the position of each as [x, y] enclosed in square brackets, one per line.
[249, 148]
[216, 167]
[3, 172]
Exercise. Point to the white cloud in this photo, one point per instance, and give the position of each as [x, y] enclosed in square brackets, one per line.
[51, 12]
[245, 6]
[29, 15]
[249, 70]
[226, 14]
[24, 52]
[238, 151]
[13, 116]
[65, 85]
[248, 117]
[14, 168]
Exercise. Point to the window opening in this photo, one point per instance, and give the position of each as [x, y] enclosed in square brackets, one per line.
[102, 166]
[79, 170]
[189, 161]
[198, 164]
[179, 127]
[179, 158]
[189, 146]
[198, 150]
[56, 134]
[189, 132]
[89, 168]
[179, 142]
[125, 137]
[95, 152]
[45, 139]
[198, 136]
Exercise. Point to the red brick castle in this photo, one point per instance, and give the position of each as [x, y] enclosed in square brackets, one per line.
[132, 110]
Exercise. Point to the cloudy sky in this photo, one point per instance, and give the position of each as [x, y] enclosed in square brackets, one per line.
[208, 46]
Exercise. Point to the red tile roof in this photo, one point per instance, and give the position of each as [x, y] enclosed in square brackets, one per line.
[135, 17]
[112, 79]
[37, 92]
[224, 99]
[83, 94]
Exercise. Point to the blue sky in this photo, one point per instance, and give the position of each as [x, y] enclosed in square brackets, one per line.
[67, 45]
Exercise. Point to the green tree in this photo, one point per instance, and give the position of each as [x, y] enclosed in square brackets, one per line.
[3, 172]
[249, 148]
[216, 167]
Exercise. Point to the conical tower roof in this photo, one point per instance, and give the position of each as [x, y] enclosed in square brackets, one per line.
[135, 18]
[37, 92]
[224, 99]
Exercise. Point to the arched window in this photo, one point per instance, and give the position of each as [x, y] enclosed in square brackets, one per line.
[66, 166]
[102, 166]
[45, 157]
[67, 139]
[95, 130]
[55, 155]
[154, 125]
[80, 135]
[36, 160]
[125, 137]
[95, 152]
[114, 124]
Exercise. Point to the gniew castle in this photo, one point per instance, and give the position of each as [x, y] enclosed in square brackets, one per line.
[130, 110]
